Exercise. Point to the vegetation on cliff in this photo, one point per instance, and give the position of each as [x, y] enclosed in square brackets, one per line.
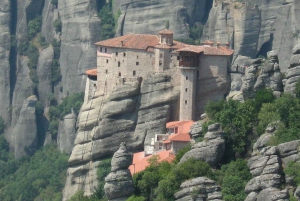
[40, 177]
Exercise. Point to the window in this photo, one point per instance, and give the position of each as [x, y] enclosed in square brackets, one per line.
[133, 73]
[124, 54]
[119, 74]
[106, 71]
[107, 61]
[160, 56]
[105, 49]
[178, 57]
[160, 63]
[185, 101]
[119, 64]
[100, 49]
[137, 56]
[137, 63]
[116, 53]
[185, 89]
[186, 78]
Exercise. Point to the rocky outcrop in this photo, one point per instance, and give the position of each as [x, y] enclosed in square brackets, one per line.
[270, 76]
[131, 113]
[250, 75]
[293, 72]
[200, 188]
[23, 137]
[211, 149]
[66, 133]
[149, 17]
[266, 168]
[44, 74]
[80, 30]
[4, 60]
[255, 29]
[119, 184]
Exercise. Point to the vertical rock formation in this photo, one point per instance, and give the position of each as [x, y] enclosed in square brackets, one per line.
[132, 113]
[119, 184]
[266, 167]
[200, 188]
[255, 27]
[150, 17]
[66, 133]
[270, 75]
[80, 30]
[293, 72]
[4, 60]
[23, 137]
[211, 149]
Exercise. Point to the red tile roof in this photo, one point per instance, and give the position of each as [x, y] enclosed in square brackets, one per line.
[183, 126]
[140, 162]
[131, 41]
[92, 72]
[207, 50]
[181, 137]
[166, 31]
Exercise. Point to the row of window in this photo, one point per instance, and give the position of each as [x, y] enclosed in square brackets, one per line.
[101, 49]
[133, 73]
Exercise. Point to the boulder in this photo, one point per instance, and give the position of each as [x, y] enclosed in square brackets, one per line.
[296, 49]
[211, 150]
[118, 183]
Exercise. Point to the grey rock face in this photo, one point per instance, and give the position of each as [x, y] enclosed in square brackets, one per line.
[210, 150]
[266, 166]
[132, 113]
[66, 133]
[293, 73]
[150, 17]
[23, 136]
[253, 30]
[4, 60]
[119, 184]
[200, 188]
[80, 30]
[44, 73]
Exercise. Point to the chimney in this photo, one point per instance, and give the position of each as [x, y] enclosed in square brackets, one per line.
[218, 44]
[227, 44]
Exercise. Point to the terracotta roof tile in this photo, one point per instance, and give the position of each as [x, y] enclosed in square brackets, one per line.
[92, 72]
[183, 126]
[181, 137]
[131, 41]
[140, 162]
[166, 31]
[207, 50]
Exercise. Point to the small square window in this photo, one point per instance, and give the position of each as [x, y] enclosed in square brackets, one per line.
[185, 89]
[106, 71]
[105, 49]
[119, 64]
[119, 74]
[124, 54]
[160, 63]
[137, 63]
[116, 53]
[186, 77]
[133, 73]
[185, 101]
[107, 61]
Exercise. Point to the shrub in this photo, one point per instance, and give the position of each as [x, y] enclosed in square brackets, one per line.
[2, 125]
[22, 48]
[102, 171]
[42, 41]
[108, 21]
[57, 25]
[292, 170]
[34, 27]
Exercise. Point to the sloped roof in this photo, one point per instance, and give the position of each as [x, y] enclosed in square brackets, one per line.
[183, 126]
[207, 50]
[181, 137]
[140, 162]
[166, 31]
[131, 41]
[92, 72]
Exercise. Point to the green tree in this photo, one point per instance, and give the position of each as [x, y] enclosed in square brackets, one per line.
[34, 27]
[57, 25]
[2, 125]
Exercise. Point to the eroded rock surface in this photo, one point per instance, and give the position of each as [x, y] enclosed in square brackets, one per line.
[200, 188]
[119, 184]
[293, 72]
[211, 149]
